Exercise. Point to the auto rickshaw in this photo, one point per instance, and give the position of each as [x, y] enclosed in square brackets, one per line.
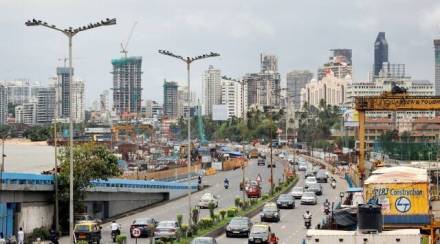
[89, 231]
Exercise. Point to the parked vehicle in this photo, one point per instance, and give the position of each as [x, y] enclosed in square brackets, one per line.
[89, 231]
[309, 197]
[260, 233]
[239, 226]
[204, 240]
[206, 199]
[168, 230]
[145, 225]
[297, 192]
[261, 162]
[271, 165]
[270, 213]
[286, 201]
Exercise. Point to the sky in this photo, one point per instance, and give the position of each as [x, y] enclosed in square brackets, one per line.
[300, 33]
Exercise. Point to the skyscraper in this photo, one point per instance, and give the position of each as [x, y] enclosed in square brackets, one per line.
[78, 101]
[3, 104]
[437, 66]
[212, 89]
[296, 80]
[46, 102]
[170, 99]
[104, 101]
[380, 52]
[127, 89]
[63, 74]
[269, 63]
[233, 98]
[339, 65]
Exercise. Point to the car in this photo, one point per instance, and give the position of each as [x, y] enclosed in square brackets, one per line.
[290, 159]
[282, 155]
[286, 201]
[206, 199]
[261, 162]
[302, 166]
[322, 176]
[260, 233]
[314, 187]
[310, 180]
[239, 226]
[297, 192]
[309, 197]
[253, 191]
[204, 240]
[315, 169]
[309, 173]
[145, 225]
[88, 231]
[270, 213]
[168, 230]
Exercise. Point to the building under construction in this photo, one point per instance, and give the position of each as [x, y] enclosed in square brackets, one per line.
[127, 90]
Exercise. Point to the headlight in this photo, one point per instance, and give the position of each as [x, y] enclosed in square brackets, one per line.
[276, 214]
[228, 228]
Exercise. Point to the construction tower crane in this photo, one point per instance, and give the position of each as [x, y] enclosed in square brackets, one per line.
[124, 47]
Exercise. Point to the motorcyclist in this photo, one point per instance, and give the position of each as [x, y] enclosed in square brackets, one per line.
[116, 228]
[226, 181]
[307, 217]
[53, 236]
[199, 179]
[326, 206]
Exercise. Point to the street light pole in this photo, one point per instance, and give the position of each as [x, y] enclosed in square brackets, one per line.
[70, 33]
[188, 61]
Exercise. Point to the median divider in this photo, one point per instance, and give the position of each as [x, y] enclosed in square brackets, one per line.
[219, 228]
[210, 171]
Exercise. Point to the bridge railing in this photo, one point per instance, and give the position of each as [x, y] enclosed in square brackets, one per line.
[26, 179]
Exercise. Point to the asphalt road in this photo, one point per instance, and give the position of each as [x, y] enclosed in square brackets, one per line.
[291, 227]
[169, 210]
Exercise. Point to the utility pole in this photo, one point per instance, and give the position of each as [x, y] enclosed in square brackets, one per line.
[271, 163]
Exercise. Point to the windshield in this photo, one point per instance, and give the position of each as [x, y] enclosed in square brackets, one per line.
[259, 229]
[142, 221]
[239, 221]
[271, 207]
[207, 197]
[297, 189]
[285, 197]
[82, 228]
[309, 194]
[166, 224]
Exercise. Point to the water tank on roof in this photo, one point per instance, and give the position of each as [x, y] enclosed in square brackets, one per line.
[370, 218]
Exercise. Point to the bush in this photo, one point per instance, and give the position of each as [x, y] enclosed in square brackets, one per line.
[216, 217]
[237, 202]
[179, 218]
[121, 239]
[253, 202]
[206, 222]
[193, 230]
[84, 242]
[222, 213]
[245, 204]
[184, 229]
[41, 233]
[277, 188]
[211, 207]
[231, 212]
[265, 196]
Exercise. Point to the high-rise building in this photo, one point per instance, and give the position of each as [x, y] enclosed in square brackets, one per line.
[268, 63]
[212, 90]
[20, 91]
[170, 99]
[63, 74]
[104, 101]
[437, 66]
[3, 104]
[232, 97]
[127, 89]
[26, 113]
[331, 90]
[339, 65]
[380, 52]
[296, 80]
[46, 102]
[78, 101]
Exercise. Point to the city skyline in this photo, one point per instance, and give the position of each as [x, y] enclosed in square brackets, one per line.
[410, 29]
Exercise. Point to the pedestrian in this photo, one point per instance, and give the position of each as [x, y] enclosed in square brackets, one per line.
[20, 236]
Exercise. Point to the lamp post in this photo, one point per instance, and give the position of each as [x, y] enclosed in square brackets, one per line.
[188, 61]
[70, 33]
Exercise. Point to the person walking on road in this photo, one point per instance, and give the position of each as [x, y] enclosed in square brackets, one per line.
[20, 236]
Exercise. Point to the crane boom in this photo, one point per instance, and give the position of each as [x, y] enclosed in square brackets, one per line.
[124, 47]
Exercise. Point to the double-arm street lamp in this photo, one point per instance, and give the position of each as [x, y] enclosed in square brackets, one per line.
[188, 61]
[70, 33]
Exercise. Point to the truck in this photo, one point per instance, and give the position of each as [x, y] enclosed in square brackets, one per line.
[400, 236]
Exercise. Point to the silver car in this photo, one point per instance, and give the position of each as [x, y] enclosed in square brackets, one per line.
[297, 192]
[206, 199]
[309, 197]
[302, 166]
[167, 230]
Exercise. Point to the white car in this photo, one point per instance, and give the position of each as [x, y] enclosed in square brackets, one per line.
[290, 159]
[309, 197]
[311, 180]
[302, 166]
[297, 192]
[206, 199]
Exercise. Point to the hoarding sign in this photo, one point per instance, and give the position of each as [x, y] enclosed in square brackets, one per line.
[219, 112]
[351, 118]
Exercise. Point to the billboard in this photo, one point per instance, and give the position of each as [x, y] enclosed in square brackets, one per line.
[351, 118]
[219, 112]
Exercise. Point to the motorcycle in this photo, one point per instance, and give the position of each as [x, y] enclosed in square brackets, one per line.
[226, 185]
[307, 223]
[326, 211]
[333, 184]
[115, 234]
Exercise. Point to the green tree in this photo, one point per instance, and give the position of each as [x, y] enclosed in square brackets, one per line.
[38, 133]
[91, 162]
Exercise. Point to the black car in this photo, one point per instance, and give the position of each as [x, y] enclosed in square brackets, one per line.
[239, 226]
[321, 176]
[286, 201]
[261, 162]
[145, 225]
[270, 213]
[273, 165]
